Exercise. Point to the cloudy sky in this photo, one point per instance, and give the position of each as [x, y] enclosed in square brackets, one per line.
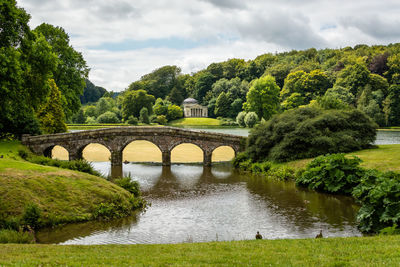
[122, 40]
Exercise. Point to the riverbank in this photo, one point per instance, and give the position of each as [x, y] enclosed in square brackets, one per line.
[351, 251]
[62, 195]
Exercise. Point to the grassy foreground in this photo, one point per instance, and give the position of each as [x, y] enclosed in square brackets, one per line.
[62, 195]
[354, 251]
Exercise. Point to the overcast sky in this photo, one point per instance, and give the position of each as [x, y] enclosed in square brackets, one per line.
[122, 40]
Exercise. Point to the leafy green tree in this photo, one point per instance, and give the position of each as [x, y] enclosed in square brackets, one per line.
[223, 105]
[240, 119]
[108, 117]
[71, 70]
[90, 111]
[161, 107]
[91, 93]
[263, 97]
[279, 71]
[104, 104]
[161, 119]
[369, 106]
[293, 101]
[144, 115]
[250, 119]
[132, 120]
[233, 68]
[378, 82]
[354, 77]
[174, 112]
[176, 96]
[51, 115]
[393, 73]
[391, 106]
[203, 84]
[236, 107]
[79, 117]
[134, 101]
[341, 93]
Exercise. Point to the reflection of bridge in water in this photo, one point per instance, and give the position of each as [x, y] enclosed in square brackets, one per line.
[116, 139]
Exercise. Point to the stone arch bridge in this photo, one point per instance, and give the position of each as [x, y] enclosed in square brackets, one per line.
[116, 139]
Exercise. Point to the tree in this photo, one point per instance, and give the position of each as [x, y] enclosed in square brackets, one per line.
[263, 97]
[79, 117]
[161, 107]
[391, 106]
[354, 77]
[91, 93]
[250, 119]
[174, 112]
[223, 105]
[240, 119]
[103, 105]
[108, 117]
[134, 101]
[203, 84]
[341, 93]
[144, 115]
[71, 70]
[51, 115]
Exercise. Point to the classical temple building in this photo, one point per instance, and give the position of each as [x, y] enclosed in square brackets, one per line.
[191, 108]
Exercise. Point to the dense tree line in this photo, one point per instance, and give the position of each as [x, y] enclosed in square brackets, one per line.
[42, 76]
[363, 77]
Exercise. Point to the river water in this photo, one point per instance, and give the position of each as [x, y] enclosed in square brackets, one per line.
[191, 203]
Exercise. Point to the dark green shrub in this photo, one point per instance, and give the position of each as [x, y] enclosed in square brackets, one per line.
[240, 119]
[332, 173]
[240, 157]
[161, 119]
[31, 215]
[108, 117]
[23, 154]
[144, 116]
[129, 185]
[133, 120]
[310, 132]
[379, 196]
[251, 119]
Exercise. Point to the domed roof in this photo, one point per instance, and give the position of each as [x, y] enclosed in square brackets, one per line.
[190, 101]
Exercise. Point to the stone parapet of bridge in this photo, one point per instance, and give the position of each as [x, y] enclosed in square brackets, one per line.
[116, 139]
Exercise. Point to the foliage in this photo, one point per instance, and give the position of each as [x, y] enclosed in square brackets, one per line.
[250, 119]
[71, 70]
[240, 119]
[51, 115]
[31, 216]
[144, 116]
[174, 112]
[132, 120]
[91, 93]
[263, 97]
[391, 106]
[333, 173]
[134, 101]
[129, 185]
[354, 77]
[16, 237]
[379, 196]
[79, 117]
[309, 132]
[222, 105]
[161, 119]
[108, 117]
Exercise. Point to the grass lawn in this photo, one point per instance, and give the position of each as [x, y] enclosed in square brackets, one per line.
[63, 195]
[195, 122]
[383, 158]
[353, 251]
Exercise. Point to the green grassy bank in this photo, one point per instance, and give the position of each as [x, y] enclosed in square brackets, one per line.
[62, 195]
[354, 251]
[195, 122]
[382, 157]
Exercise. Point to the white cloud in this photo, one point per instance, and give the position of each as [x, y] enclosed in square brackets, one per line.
[218, 29]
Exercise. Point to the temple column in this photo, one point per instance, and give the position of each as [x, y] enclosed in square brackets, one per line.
[166, 158]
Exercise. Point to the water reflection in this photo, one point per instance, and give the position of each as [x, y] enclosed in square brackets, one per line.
[195, 204]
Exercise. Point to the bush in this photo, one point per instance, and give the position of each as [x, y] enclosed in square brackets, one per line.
[131, 186]
[250, 119]
[310, 132]
[108, 117]
[240, 157]
[144, 116]
[240, 119]
[174, 112]
[379, 196]
[11, 236]
[228, 122]
[133, 120]
[161, 119]
[31, 216]
[91, 120]
[332, 173]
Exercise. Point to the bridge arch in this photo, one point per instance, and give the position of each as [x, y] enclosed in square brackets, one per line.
[223, 153]
[60, 152]
[95, 151]
[187, 152]
[141, 150]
